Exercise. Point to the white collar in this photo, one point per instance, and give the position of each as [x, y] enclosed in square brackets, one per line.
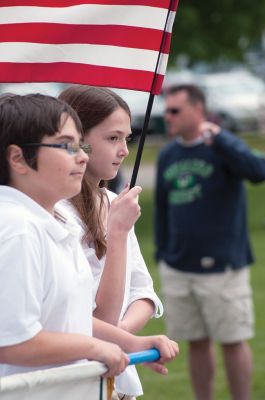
[191, 143]
[58, 226]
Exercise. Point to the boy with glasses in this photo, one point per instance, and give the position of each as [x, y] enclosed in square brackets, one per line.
[46, 282]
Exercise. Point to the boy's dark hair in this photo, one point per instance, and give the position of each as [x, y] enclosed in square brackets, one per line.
[27, 119]
[195, 94]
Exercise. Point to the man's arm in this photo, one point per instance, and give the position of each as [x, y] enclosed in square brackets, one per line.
[240, 160]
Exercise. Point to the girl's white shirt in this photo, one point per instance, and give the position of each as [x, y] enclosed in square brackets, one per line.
[138, 285]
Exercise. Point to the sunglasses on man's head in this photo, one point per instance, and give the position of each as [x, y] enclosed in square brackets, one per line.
[172, 110]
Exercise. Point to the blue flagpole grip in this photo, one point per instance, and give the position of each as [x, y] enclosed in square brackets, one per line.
[144, 356]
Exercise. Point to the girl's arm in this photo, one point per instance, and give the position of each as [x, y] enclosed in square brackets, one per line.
[110, 293]
[137, 315]
[129, 343]
[124, 211]
[143, 303]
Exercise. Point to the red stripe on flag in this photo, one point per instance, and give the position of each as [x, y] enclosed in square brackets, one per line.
[80, 73]
[112, 35]
[121, 36]
[174, 5]
[68, 3]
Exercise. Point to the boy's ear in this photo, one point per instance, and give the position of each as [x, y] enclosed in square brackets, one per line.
[16, 159]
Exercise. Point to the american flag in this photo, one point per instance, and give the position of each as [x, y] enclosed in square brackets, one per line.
[98, 42]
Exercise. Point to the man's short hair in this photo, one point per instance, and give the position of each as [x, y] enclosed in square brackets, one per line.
[27, 119]
[195, 94]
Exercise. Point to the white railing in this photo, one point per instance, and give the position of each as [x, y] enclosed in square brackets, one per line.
[72, 382]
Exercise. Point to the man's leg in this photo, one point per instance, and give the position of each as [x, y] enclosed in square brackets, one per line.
[202, 368]
[185, 321]
[238, 364]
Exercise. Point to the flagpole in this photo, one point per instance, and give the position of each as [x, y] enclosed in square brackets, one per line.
[142, 140]
[148, 109]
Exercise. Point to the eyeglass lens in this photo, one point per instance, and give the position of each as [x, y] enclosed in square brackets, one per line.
[73, 148]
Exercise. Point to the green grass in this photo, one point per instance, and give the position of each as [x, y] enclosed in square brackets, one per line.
[176, 385]
[149, 155]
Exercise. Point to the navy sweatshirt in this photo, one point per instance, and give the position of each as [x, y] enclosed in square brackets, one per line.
[200, 204]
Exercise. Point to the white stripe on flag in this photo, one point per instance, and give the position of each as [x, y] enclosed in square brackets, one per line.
[111, 56]
[170, 21]
[88, 14]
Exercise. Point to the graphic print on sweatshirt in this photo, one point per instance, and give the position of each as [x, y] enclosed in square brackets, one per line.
[185, 180]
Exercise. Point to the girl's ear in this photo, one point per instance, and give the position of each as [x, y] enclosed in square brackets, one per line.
[16, 160]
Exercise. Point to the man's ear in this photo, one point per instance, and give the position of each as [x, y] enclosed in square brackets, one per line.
[16, 160]
[200, 107]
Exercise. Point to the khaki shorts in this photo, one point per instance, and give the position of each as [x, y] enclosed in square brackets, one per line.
[216, 306]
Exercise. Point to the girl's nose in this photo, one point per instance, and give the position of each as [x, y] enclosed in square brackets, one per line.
[123, 151]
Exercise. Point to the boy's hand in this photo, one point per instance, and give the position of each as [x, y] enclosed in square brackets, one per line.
[113, 357]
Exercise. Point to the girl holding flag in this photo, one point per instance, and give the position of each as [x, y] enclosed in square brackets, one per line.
[124, 293]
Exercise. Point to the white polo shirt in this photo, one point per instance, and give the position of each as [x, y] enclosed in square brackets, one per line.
[45, 278]
[138, 285]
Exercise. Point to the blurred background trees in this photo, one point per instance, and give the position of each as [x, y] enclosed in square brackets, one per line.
[217, 29]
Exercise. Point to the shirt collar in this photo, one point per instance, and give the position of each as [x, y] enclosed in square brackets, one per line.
[190, 143]
[59, 226]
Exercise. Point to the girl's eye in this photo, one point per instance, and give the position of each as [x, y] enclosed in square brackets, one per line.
[113, 138]
[120, 139]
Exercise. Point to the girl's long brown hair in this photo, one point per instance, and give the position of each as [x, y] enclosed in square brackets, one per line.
[93, 105]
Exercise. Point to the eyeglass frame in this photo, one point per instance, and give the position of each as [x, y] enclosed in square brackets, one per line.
[83, 146]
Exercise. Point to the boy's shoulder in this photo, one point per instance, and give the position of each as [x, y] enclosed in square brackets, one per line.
[16, 216]
[13, 219]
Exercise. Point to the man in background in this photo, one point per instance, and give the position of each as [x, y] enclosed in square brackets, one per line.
[202, 242]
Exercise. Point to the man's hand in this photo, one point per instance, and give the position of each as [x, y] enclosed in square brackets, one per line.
[208, 131]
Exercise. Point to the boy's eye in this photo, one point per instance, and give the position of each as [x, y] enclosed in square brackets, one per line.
[72, 147]
[129, 138]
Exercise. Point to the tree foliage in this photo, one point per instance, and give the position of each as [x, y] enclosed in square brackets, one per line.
[213, 29]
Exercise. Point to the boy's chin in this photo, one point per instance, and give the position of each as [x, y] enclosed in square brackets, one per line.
[73, 193]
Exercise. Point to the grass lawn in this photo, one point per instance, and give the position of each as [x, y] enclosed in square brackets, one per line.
[176, 384]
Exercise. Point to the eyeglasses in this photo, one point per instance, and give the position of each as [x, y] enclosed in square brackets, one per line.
[173, 111]
[71, 148]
